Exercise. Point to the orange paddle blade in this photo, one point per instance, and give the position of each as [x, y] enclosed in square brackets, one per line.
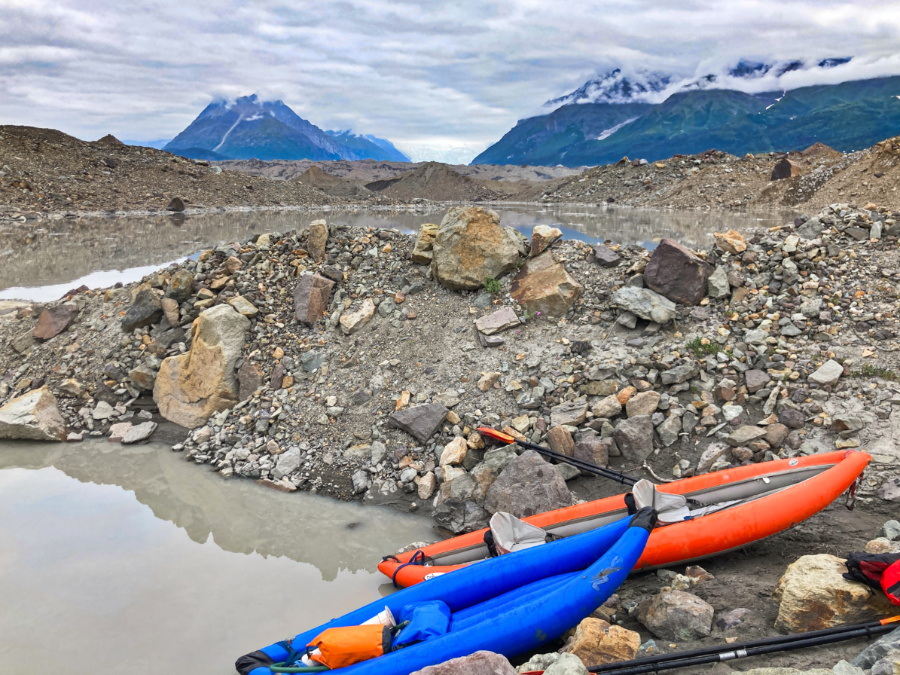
[893, 619]
[498, 435]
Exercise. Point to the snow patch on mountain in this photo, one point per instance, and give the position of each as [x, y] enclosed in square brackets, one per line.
[606, 133]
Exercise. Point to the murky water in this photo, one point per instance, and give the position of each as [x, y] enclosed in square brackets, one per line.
[42, 262]
[118, 559]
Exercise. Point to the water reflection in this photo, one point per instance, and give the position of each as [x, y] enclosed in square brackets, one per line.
[59, 255]
[239, 516]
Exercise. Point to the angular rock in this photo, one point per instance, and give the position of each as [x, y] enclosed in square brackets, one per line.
[634, 437]
[420, 421]
[421, 254]
[528, 485]
[479, 663]
[33, 416]
[498, 321]
[554, 664]
[756, 380]
[784, 168]
[776, 434]
[646, 304]
[745, 434]
[471, 247]
[677, 274]
[718, 286]
[814, 595]
[487, 381]
[427, 486]
[597, 642]
[353, 321]
[181, 286]
[560, 440]
[605, 256]
[454, 452]
[311, 296]
[170, 310]
[543, 285]
[317, 240]
[792, 418]
[191, 387]
[458, 517]
[570, 413]
[607, 407]
[55, 320]
[144, 311]
[117, 431]
[642, 404]
[139, 432]
[250, 378]
[23, 343]
[243, 306]
[731, 241]
[594, 450]
[828, 373]
[143, 377]
[542, 237]
[669, 430]
[176, 205]
[680, 374]
[676, 615]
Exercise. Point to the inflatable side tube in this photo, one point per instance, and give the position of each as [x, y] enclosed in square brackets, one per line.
[477, 613]
[524, 626]
[464, 588]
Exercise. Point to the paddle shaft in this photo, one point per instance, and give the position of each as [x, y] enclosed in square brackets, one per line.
[589, 467]
[694, 657]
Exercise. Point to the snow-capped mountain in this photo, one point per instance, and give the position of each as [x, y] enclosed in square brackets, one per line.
[248, 128]
[616, 86]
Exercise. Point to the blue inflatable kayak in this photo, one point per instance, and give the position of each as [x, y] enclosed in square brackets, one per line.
[510, 604]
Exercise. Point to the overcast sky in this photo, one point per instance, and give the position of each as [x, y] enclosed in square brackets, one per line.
[424, 74]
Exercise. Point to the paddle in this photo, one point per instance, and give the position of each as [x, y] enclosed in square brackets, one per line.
[652, 664]
[589, 467]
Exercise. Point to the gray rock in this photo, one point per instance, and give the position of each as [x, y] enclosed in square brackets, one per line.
[669, 430]
[361, 481]
[605, 256]
[792, 418]
[139, 432]
[459, 517]
[288, 462]
[679, 374]
[144, 311]
[571, 413]
[718, 286]
[180, 285]
[891, 530]
[846, 422]
[828, 373]
[890, 490]
[420, 421]
[676, 615]
[33, 416]
[878, 650]
[756, 380]
[594, 450]
[745, 434]
[498, 321]
[527, 486]
[645, 303]
[555, 664]
[634, 438]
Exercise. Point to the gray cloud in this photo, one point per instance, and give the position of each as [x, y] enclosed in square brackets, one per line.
[423, 74]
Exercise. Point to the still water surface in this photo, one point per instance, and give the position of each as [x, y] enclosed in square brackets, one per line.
[42, 262]
[127, 559]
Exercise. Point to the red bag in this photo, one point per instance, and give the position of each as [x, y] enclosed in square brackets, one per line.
[879, 571]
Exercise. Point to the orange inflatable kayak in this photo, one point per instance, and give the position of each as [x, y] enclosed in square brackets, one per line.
[729, 509]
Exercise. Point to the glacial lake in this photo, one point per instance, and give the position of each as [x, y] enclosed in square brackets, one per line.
[128, 559]
[42, 261]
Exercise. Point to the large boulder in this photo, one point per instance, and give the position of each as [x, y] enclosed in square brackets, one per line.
[479, 663]
[813, 595]
[458, 516]
[191, 387]
[33, 416]
[676, 615]
[471, 247]
[543, 285]
[784, 168]
[55, 320]
[311, 295]
[646, 304]
[180, 285]
[528, 485]
[677, 274]
[317, 240]
[597, 642]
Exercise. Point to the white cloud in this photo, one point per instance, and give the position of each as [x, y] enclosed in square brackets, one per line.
[424, 74]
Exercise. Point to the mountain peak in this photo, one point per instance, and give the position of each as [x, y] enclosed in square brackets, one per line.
[615, 86]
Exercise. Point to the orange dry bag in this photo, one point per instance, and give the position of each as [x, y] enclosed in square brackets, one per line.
[345, 646]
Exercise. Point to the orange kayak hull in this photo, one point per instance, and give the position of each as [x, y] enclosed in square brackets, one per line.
[704, 536]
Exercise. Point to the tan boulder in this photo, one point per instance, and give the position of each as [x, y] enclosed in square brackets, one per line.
[454, 452]
[191, 387]
[731, 241]
[471, 247]
[542, 237]
[597, 642]
[421, 253]
[814, 595]
[33, 417]
[543, 285]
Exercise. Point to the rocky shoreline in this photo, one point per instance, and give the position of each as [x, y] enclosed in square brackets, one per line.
[358, 363]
